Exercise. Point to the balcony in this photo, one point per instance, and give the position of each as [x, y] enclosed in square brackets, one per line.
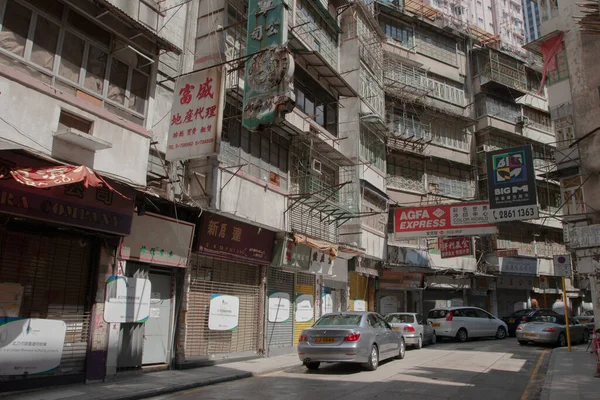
[414, 183]
[493, 113]
[502, 71]
[404, 81]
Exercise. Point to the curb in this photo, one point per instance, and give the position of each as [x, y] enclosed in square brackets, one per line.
[193, 385]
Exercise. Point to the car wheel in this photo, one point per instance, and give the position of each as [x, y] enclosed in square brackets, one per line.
[373, 362]
[586, 336]
[462, 335]
[562, 340]
[419, 344]
[313, 366]
[501, 333]
[401, 349]
[433, 338]
[523, 342]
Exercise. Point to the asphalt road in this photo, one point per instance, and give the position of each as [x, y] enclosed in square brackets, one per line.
[483, 369]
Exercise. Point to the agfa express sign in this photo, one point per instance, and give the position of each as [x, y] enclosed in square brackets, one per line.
[462, 219]
[511, 184]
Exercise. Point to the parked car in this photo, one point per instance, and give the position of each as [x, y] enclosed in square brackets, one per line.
[350, 337]
[552, 330]
[587, 318]
[465, 322]
[414, 328]
[525, 315]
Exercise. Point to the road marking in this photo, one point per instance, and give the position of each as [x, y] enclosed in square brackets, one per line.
[525, 395]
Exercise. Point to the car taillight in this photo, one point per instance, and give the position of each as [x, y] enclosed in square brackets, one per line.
[519, 328]
[549, 330]
[353, 337]
[524, 319]
[409, 329]
[303, 338]
[449, 316]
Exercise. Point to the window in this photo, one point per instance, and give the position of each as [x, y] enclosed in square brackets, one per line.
[401, 34]
[470, 313]
[400, 319]
[573, 195]
[449, 180]
[450, 135]
[374, 208]
[562, 68]
[263, 154]
[440, 48]
[406, 173]
[374, 322]
[75, 56]
[372, 148]
[315, 101]
[481, 314]
[339, 320]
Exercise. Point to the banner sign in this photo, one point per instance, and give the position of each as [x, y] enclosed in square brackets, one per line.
[127, 299]
[518, 266]
[455, 247]
[30, 346]
[443, 220]
[391, 280]
[196, 115]
[511, 184]
[269, 70]
[158, 240]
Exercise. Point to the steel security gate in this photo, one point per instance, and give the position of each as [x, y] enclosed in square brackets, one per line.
[280, 335]
[305, 285]
[214, 276]
[359, 291]
[55, 274]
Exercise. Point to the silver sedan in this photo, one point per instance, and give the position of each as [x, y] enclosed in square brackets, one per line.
[414, 328]
[350, 337]
[551, 330]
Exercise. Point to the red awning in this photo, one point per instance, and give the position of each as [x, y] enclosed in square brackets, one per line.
[56, 175]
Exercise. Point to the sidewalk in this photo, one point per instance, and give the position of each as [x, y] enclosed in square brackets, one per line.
[158, 383]
[571, 375]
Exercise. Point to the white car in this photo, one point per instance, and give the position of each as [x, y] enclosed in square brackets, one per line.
[465, 322]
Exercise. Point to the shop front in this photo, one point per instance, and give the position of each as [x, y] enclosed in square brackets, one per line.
[515, 283]
[445, 291]
[483, 293]
[399, 291]
[153, 259]
[301, 284]
[362, 274]
[51, 239]
[224, 294]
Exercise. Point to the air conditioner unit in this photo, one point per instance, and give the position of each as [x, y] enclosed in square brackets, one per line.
[521, 119]
[316, 166]
[480, 148]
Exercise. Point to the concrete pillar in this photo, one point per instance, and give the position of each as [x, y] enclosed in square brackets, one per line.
[97, 355]
[181, 333]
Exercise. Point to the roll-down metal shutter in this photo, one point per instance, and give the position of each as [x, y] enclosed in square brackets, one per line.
[55, 274]
[305, 284]
[214, 276]
[359, 289]
[280, 334]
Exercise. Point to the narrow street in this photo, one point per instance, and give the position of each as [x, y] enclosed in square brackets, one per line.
[483, 369]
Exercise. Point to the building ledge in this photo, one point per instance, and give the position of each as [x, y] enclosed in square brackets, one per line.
[82, 139]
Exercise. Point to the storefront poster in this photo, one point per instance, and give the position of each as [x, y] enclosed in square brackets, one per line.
[224, 312]
[511, 184]
[455, 247]
[443, 220]
[279, 307]
[304, 307]
[11, 295]
[127, 299]
[159, 240]
[360, 305]
[96, 208]
[388, 304]
[228, 238]
[30, 346]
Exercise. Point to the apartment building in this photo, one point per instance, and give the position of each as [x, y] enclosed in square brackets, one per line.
[532, 20]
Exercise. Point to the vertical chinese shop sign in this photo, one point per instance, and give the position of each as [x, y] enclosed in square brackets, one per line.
[196, 115]
[269, 70]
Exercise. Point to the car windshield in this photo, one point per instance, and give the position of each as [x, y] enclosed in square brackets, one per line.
[339, 320]
[547, 318]
[400, 319]
[433, 314]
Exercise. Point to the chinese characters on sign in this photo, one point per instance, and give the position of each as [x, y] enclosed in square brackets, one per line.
[518, 266]
[443, 221]
[455, 247]
[230, 238]
[511, 184]
[269, 71]
[400, 280]
[195, 115]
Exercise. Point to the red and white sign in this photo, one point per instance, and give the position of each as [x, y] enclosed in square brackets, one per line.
[443, 220]
[455, 247]
[196, 115]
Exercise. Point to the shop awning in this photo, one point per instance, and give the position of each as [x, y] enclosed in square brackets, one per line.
[54, 175]
[320, 245]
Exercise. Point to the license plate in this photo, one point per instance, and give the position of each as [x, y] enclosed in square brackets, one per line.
[396, 328]
[531, 335]
[324, 340]
[511, 321]
[435, 325]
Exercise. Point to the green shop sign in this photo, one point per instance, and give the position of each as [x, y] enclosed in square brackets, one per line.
[268, 72]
